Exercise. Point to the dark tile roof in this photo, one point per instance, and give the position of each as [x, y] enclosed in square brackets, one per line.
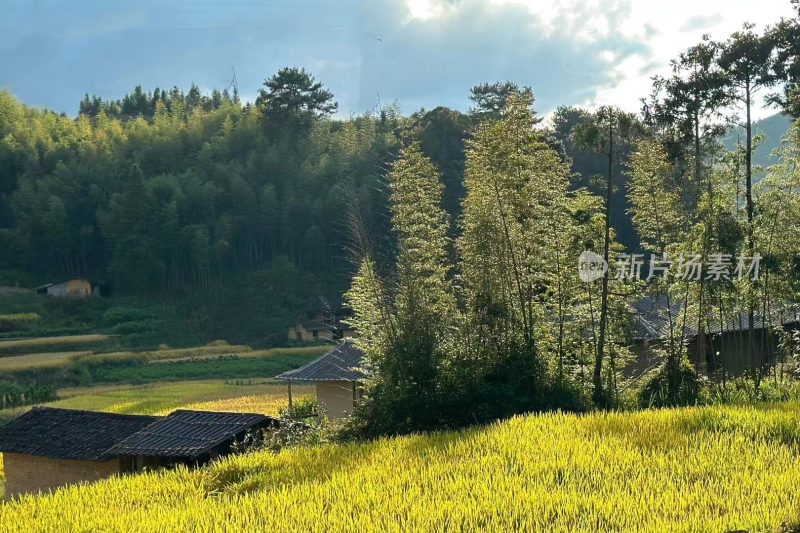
[343, 363]
[651, 320]
[68, 433]
[188, 434]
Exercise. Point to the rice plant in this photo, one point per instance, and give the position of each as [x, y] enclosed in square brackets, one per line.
[680, 470]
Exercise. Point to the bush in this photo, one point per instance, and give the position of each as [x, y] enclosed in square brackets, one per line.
[742, 391]
[671, 389]
[139, 326]
[120, 315]
[289, 432]
[302, 408]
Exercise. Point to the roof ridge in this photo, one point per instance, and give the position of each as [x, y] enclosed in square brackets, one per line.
[89, 411]
[215, 413]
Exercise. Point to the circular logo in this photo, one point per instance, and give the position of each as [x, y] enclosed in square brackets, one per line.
[591, 266]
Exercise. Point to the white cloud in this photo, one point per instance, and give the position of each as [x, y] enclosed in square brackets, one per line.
[664, 28]
[668, 28]
[422, 53]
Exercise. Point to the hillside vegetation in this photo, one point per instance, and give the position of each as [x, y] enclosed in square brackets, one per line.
[695, 469]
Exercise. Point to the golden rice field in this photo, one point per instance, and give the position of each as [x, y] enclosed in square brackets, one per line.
[257, 396]
[56, 359]
[698, 469]
[11, 346]
[40, 360]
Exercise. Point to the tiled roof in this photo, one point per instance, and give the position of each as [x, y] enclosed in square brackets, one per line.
[188, 434]
[343, 363]
[68, 433]
[651, 320]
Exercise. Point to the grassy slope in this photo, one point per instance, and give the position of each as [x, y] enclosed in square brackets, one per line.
[699, 469]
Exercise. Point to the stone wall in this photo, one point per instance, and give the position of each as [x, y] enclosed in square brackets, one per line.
[30, 473]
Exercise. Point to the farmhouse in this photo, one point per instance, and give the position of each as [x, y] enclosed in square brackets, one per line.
[338, 376]
[723, 347]
[321, 319]
[47, 448]
[74, 287]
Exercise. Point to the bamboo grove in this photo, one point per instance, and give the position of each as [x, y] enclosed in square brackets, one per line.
[484, 315]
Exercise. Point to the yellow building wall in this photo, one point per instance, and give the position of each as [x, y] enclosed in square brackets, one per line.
[30, 473]
[73, 287]
[336, 397]
[79, 287]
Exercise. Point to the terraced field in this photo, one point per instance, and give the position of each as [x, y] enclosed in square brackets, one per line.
[697, 469]
[255, 396]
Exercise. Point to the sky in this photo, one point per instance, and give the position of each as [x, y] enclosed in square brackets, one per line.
[417, 53]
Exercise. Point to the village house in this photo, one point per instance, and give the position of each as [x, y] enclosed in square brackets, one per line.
[73, 287]
[722, 348]
[321, 319]
[47, 448]
[338, 376]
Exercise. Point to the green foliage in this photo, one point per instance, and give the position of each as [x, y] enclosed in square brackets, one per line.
[120, 315]
[15, 394]
[667, 387]
[301, 409]
[169, 195]
[440, 364]
[136, 370]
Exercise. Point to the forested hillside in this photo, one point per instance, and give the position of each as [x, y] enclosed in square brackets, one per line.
[773, 129]
[223, 208]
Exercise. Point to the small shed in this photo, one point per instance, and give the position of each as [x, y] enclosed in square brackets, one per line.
[73, 287]
[47, 448]
[338, 375]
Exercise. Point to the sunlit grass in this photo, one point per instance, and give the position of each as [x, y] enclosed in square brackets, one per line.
[259, 396]
[698, 469]
[40, 360]
[10, 347]
[57, 359]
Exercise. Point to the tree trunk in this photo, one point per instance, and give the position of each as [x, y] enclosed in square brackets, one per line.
[598, 362]
[750, 243]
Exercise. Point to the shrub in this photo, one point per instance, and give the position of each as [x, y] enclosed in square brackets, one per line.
[301, 408]
[218, 343]
[138, 326]
[664, 388]
[289, 432]
[120, 315]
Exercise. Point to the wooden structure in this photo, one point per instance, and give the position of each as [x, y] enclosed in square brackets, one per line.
[723, 348]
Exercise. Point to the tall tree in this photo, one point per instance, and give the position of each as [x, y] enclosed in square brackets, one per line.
[746, 61]
[489, 99]
[416, 338]
[295, 93]
[691, 110]
[786, 37]
[605, 132]
[659, 216]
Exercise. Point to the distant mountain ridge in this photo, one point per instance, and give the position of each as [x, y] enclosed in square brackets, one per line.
[774, 128]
